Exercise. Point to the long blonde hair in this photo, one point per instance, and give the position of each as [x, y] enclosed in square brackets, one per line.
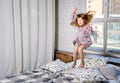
[87, 17]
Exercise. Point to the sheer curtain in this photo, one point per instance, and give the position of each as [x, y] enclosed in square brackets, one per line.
[27, 30]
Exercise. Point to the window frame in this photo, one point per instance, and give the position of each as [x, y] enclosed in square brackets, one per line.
[105, 19]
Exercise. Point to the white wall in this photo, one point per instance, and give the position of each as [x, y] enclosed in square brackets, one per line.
[65, 33]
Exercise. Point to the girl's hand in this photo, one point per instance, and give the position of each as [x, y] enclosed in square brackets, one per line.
[74, 10]
[89, 27]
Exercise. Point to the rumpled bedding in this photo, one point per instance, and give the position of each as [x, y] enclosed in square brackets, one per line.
[60, 72]
[45, 76]
[38, 76]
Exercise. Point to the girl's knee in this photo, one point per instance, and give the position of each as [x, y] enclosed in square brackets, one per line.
[81, 48]
[75, 50]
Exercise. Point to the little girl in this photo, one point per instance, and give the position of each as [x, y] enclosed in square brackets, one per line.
[83, 40]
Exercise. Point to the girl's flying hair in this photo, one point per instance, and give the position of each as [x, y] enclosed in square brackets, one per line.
[87, 17]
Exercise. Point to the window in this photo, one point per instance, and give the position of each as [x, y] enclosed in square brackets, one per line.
[113, 38]
[93, 5]
[114, 8]
[106, 25]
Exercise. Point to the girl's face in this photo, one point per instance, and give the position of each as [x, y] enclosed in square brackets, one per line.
[80, 21]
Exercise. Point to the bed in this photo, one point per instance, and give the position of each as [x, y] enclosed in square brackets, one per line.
[59, 72]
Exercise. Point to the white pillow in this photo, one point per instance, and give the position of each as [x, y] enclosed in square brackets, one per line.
[55, 66]
[95, 62]
[86, 75]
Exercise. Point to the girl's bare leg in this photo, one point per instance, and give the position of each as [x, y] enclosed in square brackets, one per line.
[75, 53]
[80, 50]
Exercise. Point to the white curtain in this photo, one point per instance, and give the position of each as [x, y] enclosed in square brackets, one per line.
[27, 30]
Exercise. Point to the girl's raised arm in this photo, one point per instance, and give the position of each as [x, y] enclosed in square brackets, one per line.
[74, 13]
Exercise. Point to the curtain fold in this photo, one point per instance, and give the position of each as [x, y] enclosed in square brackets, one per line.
[28, 40]
[50, 30]
[7, 61]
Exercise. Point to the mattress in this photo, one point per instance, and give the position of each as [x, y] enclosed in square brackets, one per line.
[42, 75]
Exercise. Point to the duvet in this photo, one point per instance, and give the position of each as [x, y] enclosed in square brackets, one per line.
[60, 72]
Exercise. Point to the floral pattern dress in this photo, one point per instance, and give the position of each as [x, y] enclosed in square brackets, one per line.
[83, 36]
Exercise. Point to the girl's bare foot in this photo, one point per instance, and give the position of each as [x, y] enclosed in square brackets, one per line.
[81, 65]
[73, 65]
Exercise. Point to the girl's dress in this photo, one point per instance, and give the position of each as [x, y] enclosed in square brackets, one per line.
[83, 36]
